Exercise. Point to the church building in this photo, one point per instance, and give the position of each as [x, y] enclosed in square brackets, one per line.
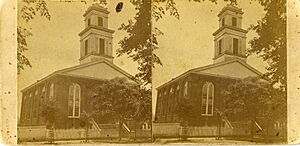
[69, 87]
[204, 85]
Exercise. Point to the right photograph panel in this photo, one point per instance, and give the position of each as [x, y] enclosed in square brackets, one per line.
[222, 77]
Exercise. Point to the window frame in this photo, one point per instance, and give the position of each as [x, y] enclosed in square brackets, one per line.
[220, 46]
[74, 87]
[185, 89]
[234, 21]
[51, 91]
[89, 22]
[101, 50]
[207, 85]
[86, 47]
[235, 51]
[100, 18]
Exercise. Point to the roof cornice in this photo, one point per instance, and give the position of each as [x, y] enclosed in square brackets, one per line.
[231, 8]
[96, 8]
[65, 70]
[229, 27]
[196, 70]
[97, 28]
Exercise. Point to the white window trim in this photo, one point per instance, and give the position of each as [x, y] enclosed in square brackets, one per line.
[51, 91]
[207, 94]
[74, 95]
[185, 90]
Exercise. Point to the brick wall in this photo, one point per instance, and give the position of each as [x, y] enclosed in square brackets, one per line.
[167, 101]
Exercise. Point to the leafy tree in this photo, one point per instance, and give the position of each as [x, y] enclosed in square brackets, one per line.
[252, 98]
[118, 100]
[185, 111]
[50, 112]
[29, 9]
[141, 41]
[271, 44]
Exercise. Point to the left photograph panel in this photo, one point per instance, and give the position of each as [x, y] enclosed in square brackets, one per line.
[84, 74]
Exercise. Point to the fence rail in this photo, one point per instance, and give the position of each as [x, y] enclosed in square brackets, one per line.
[107, 131]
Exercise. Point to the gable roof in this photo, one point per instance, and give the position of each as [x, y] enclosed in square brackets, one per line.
[71, 72]
[209, 70]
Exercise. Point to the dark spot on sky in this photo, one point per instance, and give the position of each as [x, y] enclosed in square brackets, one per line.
[119, 7]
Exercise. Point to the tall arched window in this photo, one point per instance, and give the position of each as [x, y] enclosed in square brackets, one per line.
[74, 101]
[43, 92]
[185, 90]
[207, 99]
[51, 91]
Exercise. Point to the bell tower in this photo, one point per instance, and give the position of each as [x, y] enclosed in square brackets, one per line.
[230, 38]
[96, 38]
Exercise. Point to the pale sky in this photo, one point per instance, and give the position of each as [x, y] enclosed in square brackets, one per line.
[55, 43]
[188, 42]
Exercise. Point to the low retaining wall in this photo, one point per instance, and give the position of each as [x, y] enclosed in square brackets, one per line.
[40, 133]
[166, 129]
[175, 130]
[32, 133]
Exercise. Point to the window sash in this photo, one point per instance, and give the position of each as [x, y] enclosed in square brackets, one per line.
[101, 46]
[100, 21]
[51, 94]
[220, 46]
[74, 101]
[185, 91]
[89, 22]
[234, 21]
[207, 99]
[86, 47]
[235, 45]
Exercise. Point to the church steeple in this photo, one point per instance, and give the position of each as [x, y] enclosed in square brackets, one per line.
[230, 38]
[96, 38]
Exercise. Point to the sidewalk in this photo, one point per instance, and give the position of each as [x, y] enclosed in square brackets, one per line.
[201, 141]
[104, 141]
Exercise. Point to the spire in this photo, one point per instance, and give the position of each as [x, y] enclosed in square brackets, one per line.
[230, 38]
[96, 38]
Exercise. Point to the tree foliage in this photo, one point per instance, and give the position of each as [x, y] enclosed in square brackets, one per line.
[185, 111]
[118, 100]
[22, 60]
[50, 111]
[141, 41]
[271, 44]
[252, 98]
[29, 9]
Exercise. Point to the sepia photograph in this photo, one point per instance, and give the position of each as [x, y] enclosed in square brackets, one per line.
[223, 75]
[149, 72]
[83, 73]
